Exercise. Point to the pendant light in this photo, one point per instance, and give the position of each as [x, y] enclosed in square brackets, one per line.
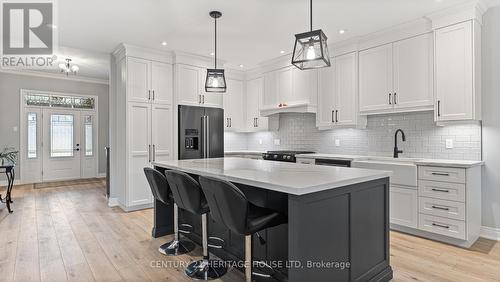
[311, 50]
[216, 81]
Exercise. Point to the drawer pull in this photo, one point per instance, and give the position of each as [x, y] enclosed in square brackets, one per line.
[440, 225]
[440, 174]
[440, 208]
[440, 190]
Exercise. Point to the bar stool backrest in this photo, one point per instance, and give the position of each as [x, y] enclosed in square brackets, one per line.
[187, 192]
[228, 205]
[158, 184]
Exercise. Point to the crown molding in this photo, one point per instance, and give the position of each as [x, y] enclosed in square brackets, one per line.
[196, 60]
[56, 76]
[126, 50]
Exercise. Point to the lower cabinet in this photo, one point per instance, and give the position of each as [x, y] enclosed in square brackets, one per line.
[404, 206]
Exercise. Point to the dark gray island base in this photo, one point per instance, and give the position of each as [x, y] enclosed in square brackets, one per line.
[340, 234]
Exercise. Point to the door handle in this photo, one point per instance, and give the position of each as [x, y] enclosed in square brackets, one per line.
[337, 116]
[390, 99]
[440, 190]
[440, 225]
[199, 99]
[440, 174]
[207, 139]
[440, 208]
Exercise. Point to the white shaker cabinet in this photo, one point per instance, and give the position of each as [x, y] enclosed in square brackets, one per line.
[149, 81]
[253, 120]
[458, 90]
[270, 96]
[233, 105]
[397, 77]
[190, 83]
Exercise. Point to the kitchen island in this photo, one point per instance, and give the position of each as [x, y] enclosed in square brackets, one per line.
[338, 218]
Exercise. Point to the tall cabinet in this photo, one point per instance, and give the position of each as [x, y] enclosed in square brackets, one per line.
[143, 112]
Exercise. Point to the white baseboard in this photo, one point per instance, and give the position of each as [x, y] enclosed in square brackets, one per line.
[101, 175]
[113, 202]
[490, 233]
[16, 182]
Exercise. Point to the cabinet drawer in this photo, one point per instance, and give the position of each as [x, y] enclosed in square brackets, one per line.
[305, 161]
[443, 208]
[442, 190]
[443, 226]
[443, 174]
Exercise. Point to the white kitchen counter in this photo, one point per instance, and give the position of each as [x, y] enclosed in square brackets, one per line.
[416, 161]
[244, 152]
[291, 178]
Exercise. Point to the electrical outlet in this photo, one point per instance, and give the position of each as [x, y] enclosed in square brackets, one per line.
[449, 143]
[277, 142]
[337, 142]
[260, 141]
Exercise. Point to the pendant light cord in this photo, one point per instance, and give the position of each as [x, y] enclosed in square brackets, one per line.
[311, 13]
[215, 43]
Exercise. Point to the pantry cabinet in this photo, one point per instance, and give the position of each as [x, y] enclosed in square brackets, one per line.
[149, 81]
[338, 95]
[190, 83]
[397, 77]
[457, 72]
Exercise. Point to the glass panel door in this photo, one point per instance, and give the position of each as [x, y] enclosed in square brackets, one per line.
[61, 135]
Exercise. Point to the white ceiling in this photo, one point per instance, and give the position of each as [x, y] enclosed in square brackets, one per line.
[250, 31]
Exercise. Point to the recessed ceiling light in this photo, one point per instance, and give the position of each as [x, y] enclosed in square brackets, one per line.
[282, 52]
[164, 43]
[212, 54]
[342, 31]
[241, 66]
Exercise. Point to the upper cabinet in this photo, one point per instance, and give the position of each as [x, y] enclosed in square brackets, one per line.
[397, 77]
[233, 105]
[338, 95]
[190, 87]
[457, 70]
[253, 120]
[289, 90]
[149, 81]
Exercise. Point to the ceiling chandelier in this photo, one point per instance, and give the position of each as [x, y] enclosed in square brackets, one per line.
[216, 81]
[311, 50]
[68, 68]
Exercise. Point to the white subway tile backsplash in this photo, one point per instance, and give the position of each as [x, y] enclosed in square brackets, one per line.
[423, 138]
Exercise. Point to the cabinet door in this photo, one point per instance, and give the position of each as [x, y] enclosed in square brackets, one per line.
[254, 92]
[161, 83]
[304, 86]
[346, 89]
[269, 97]
[403, 209]
[233, 105]
[138, 80]
[413, 75]
[453, 72]
[139, 154]
[161, 132]
[285, 86]
[210, 99]
[375, 79]
[188, 85]
[326, 97]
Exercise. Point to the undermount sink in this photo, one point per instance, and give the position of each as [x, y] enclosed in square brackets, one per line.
[404, 170]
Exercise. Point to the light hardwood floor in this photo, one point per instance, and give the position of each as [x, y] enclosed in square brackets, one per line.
[69, 234]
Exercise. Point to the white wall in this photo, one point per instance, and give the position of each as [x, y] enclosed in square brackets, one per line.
[491, 118]
[10, 86]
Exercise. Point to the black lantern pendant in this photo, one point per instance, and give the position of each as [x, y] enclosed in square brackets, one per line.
[311, 50]
[216, 81]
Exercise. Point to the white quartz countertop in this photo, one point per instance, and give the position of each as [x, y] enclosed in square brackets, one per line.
[244, 152]
[291, 178]
[416, 161]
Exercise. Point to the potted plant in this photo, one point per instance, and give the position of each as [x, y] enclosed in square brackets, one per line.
[8, 155]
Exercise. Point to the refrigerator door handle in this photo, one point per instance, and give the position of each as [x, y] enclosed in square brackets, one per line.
[207, 138]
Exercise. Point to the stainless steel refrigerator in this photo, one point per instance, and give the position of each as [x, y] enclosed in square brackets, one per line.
[201, 132]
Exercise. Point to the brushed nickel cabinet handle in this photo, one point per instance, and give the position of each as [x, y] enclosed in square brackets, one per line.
[390, 99]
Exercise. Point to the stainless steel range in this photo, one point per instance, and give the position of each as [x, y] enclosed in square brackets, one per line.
[283, 156]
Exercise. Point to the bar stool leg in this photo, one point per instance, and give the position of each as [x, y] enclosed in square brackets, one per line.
[248, 258]
[177, 246]
[205, 269]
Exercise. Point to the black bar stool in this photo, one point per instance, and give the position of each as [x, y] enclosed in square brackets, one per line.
[162, 192]
[229, 206]
[189, 196]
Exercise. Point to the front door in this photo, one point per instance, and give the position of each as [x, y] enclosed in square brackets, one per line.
[61, 145]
